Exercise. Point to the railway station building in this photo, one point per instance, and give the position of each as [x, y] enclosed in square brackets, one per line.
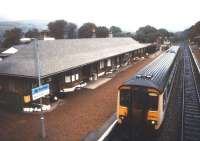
[64, 64]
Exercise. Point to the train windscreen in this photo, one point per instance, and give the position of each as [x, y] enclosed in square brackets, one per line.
[139, 99]
[144, 100]
[125, 97]
[153, 102]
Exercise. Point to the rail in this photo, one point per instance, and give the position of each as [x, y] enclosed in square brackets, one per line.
[182, 114]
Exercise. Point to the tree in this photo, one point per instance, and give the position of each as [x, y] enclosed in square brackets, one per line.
[194, 31]
[163, 32]
[126, 34]
[86, 30]
[116, 31]
[57, 28]
[32, 33]
[12, 37]
[61, 29]
[102, 32]
[147, 34]
[70, 30]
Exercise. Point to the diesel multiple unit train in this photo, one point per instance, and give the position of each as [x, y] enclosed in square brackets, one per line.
[143, 99]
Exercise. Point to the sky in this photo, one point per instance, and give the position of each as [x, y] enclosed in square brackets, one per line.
[174, 15]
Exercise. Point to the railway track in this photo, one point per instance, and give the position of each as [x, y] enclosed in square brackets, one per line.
[190, 121]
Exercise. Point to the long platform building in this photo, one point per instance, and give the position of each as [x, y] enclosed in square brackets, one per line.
[64, 64]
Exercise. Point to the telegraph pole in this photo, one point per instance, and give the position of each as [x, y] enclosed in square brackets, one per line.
[38, 70]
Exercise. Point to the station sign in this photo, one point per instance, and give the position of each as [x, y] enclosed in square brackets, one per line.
[40, 91]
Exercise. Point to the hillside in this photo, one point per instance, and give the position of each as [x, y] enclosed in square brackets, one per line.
[24, 25]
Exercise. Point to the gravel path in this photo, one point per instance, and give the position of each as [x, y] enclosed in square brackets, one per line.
[78, 114]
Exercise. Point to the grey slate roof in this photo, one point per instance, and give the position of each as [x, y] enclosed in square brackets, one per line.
[158, 69]
[61, 55]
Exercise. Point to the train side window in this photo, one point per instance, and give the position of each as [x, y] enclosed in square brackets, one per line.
[165, 99]
[125, 97]
[153, 102]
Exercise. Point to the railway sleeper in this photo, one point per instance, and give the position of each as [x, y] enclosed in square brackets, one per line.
[193, 120]
[190, 84]
[190, 91]
[194, 113]
[195, 124]
[190, 105]
[193, 101]
[194, 109]
[192, 116]
[190, 138]
[192, 130]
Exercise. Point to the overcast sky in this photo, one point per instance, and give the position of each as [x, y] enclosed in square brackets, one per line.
[174, 15]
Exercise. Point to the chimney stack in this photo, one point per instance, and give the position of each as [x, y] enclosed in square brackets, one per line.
[110, 35]
[93, 33]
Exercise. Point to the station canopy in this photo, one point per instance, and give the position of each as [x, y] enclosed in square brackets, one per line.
[61, 55]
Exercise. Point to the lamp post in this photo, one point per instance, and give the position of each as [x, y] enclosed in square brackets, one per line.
[38, 71]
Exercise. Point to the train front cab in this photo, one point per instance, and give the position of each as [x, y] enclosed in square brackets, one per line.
[139, 106]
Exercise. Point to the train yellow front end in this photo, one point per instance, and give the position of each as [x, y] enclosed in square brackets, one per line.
[139, 105]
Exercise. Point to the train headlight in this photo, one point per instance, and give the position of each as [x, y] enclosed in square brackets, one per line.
[153, 122]
[120, 119]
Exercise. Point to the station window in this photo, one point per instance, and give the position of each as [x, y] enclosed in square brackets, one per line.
[73, 78]
[101, 64]
[117, 59]
[77, 76]
[109, 62]
[67, 79]
[164, 99]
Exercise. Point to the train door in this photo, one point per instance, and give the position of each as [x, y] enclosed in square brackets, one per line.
[138, 107]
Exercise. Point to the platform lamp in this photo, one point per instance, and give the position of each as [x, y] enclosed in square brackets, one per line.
[34, 41]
